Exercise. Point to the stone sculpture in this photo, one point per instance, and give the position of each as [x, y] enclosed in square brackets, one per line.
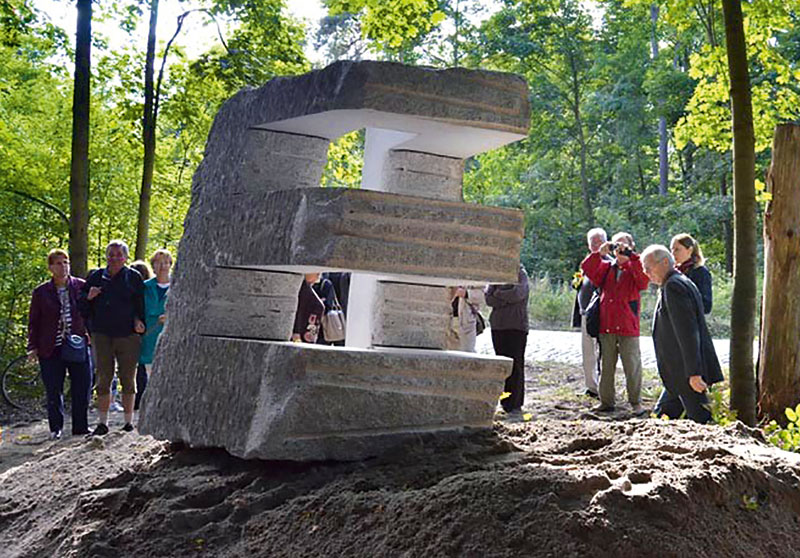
[224, 374]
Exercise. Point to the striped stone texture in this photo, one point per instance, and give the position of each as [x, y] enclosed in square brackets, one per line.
[293, 401]
[431, 241]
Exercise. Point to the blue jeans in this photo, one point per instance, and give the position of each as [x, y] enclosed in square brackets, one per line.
[53, 371]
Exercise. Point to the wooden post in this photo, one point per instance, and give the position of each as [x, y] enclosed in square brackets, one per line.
[779, 376]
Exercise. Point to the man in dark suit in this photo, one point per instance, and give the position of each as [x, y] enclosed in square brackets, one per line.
[687, 362]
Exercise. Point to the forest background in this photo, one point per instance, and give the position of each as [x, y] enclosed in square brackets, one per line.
[630, 120]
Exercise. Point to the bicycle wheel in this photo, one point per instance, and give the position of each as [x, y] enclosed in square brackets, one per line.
[22, 387]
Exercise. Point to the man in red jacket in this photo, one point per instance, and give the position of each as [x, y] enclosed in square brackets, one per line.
[621, 281]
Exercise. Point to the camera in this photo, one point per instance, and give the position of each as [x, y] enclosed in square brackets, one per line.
[621, 249]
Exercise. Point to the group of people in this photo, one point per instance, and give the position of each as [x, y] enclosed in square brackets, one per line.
[614, 275]
[94, 329]
[108, 325]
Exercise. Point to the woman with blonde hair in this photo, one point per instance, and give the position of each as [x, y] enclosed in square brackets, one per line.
[689, 260]
[155, 299]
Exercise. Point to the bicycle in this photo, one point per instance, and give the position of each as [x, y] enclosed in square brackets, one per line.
[22, 388]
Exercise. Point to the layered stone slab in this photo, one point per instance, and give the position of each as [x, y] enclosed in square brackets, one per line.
[453, 112]
[411, 316]
[306, 402]
[428, 241]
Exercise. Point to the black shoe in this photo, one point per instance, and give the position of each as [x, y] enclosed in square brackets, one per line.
[80, 432]
[99, 430]
[603, 408]
[592, 394]
[127, 427]
[55, 435]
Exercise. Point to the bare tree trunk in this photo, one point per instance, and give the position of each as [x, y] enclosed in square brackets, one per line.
[149, 138]
[779, 376]
[79, 168]
[663, 161]
[743, 303]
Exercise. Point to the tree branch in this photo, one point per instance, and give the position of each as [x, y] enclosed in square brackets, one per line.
[44, 203]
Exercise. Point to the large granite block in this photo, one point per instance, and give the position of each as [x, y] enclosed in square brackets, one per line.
[429, 241]
[305, 402]
[257, 220]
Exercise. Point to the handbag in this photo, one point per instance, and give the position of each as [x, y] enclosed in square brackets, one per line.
[333, 322]
[593, 311]
[593, 316]
[73, 349]
[480, 323]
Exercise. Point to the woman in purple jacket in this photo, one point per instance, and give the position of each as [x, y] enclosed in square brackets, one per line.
[53, 318]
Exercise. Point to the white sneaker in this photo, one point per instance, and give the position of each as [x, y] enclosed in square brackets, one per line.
[116, 407]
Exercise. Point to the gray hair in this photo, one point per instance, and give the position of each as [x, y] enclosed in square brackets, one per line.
[597, 231]
[118, 244]
[658, 252]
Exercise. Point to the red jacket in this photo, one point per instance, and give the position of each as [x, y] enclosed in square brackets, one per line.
[45, 314]
[620, 301]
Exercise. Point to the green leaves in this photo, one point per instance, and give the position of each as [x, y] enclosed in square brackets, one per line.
[391, 23]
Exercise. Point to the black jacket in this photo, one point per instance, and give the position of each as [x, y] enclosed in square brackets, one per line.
[682, 342]
[509, 303]
[112, 312]
[701, 277]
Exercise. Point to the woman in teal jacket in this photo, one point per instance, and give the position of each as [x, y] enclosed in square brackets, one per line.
[155, 299]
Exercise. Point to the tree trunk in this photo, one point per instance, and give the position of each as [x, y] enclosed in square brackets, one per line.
[576, 111]
[663, 161]
[79, 167]
[727, 228]
[743, 304]
[779, 376]
[148, 136]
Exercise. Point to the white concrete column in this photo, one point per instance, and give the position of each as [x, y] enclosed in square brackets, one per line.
[361, 304]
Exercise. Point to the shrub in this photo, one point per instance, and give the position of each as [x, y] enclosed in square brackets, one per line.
[787, 438]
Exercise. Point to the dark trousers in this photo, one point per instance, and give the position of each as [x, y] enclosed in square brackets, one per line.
[141, 385]
[53, 372]
[511, 343]
[673, 404]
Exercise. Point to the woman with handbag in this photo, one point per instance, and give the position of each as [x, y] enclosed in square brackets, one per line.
[467, 322]
[57, 337]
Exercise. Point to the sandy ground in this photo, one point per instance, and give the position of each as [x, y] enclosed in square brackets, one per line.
[564, 483]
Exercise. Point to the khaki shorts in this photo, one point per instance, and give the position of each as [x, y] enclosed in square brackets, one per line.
[123, 350]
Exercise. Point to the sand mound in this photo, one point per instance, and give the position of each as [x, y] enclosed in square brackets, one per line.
[545, 488]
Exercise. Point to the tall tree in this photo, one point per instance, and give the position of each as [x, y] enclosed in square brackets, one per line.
[743, 303]
[79, 172]
[148, 138]
[779, 359]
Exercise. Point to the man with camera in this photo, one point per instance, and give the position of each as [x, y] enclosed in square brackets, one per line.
[620, 280]
[687, 361]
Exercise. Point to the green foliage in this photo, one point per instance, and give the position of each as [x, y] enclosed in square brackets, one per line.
[390, 23]
[787, 437]
[550, 304]
[719, 396]
[345, 161]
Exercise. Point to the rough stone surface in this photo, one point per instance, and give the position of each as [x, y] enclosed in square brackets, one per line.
[412, 316]
[424, 175]
[280, 161]
[374, 232]
[299, 402]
